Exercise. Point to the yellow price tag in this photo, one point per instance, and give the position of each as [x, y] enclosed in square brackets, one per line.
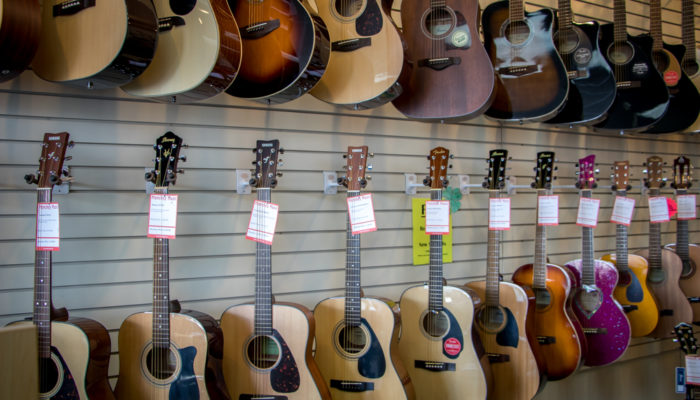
[421, 241]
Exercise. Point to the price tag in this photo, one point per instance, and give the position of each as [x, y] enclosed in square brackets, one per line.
[437, 217]
[547, 210]
[47, 227]
[658, 210]
[622, 210]
[588, 212]
[263, 219]
[162, 216]
[499, 214]
[692, 369]
[361, 212]
[686, 206]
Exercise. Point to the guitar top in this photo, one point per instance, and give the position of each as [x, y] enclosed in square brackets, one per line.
[20, 25]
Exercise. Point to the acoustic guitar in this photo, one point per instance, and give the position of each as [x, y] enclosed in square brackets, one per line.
[366, 54]
[688, 253]
[531, 79]
[20, 25]
[267, 345]
[684, 100]
[556, 329]
[95, 44]
[285, 50]
[73, 352]
[603, 319]
[436, 342]
[642, 97]
[591, 81]
[447, 73]
[357, 336]
[198, 53]
[168, 352]
[631, 290]
[689, 62]
[501, 319]
[665, 266]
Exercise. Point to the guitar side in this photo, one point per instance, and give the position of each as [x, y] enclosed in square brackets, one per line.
[694, 75]
[20, 26]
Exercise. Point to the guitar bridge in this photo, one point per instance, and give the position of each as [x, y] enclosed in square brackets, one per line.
[72, 7]
[694, 299]
[350, 44]
[168, 23]
[628, 84]
[436, 366]
[627, 308]
[595, 331]
[498, 358]
[439, 64]
[352, 386]
[517, 71]
[260, 397]
[260, 29]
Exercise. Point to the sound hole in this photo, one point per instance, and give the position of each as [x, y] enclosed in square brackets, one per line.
[656, 275]
[436, 323]
[49, 374]
[517, 32]
[620, 53]
[690, 67]
[688, 268]
[439, 22]
[182, 7]
[625, 278]
[263, 352]
[567, 41]
[161, 362]
[348, 8]
[352, 339]
[492, 318]
[661, 60]
[542, 298]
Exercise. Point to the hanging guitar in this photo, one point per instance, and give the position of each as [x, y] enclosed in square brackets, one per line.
[686, 339]
[20, 25]
[689, 62]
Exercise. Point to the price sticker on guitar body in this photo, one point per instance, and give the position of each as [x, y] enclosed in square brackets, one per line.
[547, 210]
[588, 212]
[622, 210]
[47, 227]
[686, 206]
[263, 219]
[361, 212]
[162, 216]
[499, 214]
[437, 217]
[658, 210]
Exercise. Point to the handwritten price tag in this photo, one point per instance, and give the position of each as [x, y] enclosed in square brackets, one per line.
[686, 206]
[547, 210]
[437, 217]
[263, 219]
[162, 216]
[588, 212]
[692, 369]
[622, 210]
[499, 214]
[47, 227]
[361, 212]
[658, 210]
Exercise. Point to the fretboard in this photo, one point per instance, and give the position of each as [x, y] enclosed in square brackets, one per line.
[263, 281]
[688, 30]
[539, 280]
[161, 288]
[654, 239]
[620, 21]
[587, 261]
[493, 261]
[682, 234]
[621, 242]
[517, 12]
[42, 289]
[655, 24]
[565, 16]
[352, 274]
[436, 275]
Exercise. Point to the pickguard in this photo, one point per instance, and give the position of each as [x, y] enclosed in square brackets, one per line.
[634, 291]
[284, 378]
[185, 386]
[68, 389]
[508, 336]
[455, 333]
[372, 364]
[370, 22]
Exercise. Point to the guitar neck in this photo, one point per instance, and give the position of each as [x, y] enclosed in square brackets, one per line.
[352, 273]
[517, 12]
[682, 234]
[688, 30]
[654, 239]
[655, 24]
[493, 261]
[621, 242]
[42, 289]
[161, 288]
[587, 260]
[263, 281]
[436, 275]
[620, 21]
[565, 16]
[539, 280]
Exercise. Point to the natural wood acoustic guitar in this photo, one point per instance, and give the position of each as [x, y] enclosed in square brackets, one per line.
[20, 25]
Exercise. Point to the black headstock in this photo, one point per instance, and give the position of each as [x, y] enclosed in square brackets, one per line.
[544, 171]
[167, 149]
[496, 179]
[266, 160]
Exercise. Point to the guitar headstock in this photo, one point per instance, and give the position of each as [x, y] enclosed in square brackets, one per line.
[266, 159]
[439, 164]
[685, 337]
[53, 154]
[621, 176]
[496, 179]
[167, 149]
[586, 173]
[544, 171]
[355, 168]
[682, 175]
[654, 171]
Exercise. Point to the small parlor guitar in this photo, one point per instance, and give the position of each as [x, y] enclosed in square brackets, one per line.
[356, 336]
[591, 81]
[436, 342]
[20, 25]
[665, 267]
[447, 73]
[267, 345]
[167, 353]
[73, 352]
[688, 253]
[198, 53]
[554, 325]
[689, 63]
[631, 291]
[641, 98]
[285, 50]
[95, 44]
[603, 319]
[501, 319]
[531, 81]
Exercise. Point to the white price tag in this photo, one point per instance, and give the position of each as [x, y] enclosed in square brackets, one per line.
[658, 209]
[686, 206]
[547, 210]
[622, 210]
[437, 217]
[162, 216]
[692, 369]
[263, 219]
[47, 227]
[588, 212]
[499, 214]
[361, 212]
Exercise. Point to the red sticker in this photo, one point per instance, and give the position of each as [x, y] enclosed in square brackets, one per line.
[671, 78]
[672, 207]
[452, 346]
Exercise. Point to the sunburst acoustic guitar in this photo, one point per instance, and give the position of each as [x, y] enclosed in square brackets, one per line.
[20, 25]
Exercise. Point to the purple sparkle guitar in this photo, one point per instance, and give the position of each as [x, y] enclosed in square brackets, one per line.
[603, 319]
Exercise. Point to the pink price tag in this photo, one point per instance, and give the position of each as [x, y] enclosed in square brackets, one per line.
[361, 213]
[622, 211]
[658, 210]
[162, 216]
[548, 210]
[263, 219]
[499, 214]
[47, 227]
[437, 217]
[588, 212]
[687, 208]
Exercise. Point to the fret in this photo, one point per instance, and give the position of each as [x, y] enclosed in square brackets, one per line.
[263, 281]
[435, 273]
[161, 288]
[587, 260]
[42, 289]
[517, 12]
[493, 262]
[620, 21]
[621, 242]
[352, 273]
[655, 24]
[682, 234]
[654, 239]
[539, 280]
[688, 31]
[565, 17]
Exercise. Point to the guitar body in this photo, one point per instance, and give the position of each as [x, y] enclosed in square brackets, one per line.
[690, 279]
[531, 81]
[102, 46]
[285, 50]
[80, 350]
[684, 100]
[553, 324]
[604, 322]
[641, 98]
[692, 69]
[293, 376]
[20, 26]
[444, 367]
[198, 53]
[189, 347]
[447, 75]
[591, 81]
[366, 54]
[632, 290]
[513, 364]
[369, 372]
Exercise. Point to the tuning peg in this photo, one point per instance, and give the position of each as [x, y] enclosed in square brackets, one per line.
[183, 158]
[449, 166]
[597, 171]
[343, 181]
[345, 156]
[67, 158]
[185, 146]
[281, 151]
[54, 180]
[452, 156]
[71, 144]
[273, 182]
[279, 174]
[150, 176]
[254, 163]
[445, 182]
[31, 178]
[427, 181]
[371, 155]
[280, 162]
[363, 182]
[180, 171]
[369, 167]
